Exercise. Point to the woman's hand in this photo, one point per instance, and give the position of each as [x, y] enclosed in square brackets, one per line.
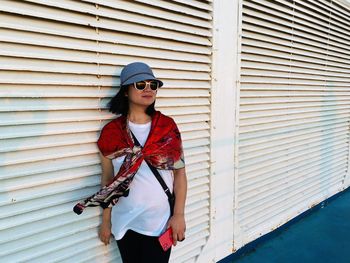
[177, 221]
[107, 176]
[105, 232]
[178, 226]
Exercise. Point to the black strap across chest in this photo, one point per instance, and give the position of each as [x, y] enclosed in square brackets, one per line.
[171, 196]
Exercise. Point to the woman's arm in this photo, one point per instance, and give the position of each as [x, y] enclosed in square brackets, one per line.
[107, 176]
[177, 221]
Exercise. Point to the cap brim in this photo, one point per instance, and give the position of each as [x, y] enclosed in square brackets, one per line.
[141, 77]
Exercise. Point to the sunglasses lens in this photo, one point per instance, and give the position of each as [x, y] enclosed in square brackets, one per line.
[140, 85]
[153, 85]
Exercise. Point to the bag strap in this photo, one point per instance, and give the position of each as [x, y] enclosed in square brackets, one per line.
[159, 178]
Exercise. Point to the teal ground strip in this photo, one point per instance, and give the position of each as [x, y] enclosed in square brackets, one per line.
[320, 234]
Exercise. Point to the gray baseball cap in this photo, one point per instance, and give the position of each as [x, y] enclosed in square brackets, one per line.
[137, 71]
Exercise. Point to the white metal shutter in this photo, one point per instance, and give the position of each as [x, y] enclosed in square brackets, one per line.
[294, 109]
[60, 62]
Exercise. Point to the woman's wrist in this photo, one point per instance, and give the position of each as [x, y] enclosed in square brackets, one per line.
[106, 216]
[179, 214]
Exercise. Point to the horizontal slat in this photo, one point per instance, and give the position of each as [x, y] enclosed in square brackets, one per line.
[154, 25]
[181, 9]
[289, 153]
[290, 144]
[292, 162]
[190, 144]
[51, 27]
[23, 8]
[191, 118]
[298, 197]
[48, 235]
[27, 201]
[65, 66]
[197, 244]
[92, 253]
[152, 31]
[271, 190]
[294, 105]
[292, 93]
[89, 253]
[279, 175]
[254, 148]
[197, 198]
[45, 179]
[339, 11]
[37, 227]
[320, 22]
[197, 4]
[38, 78]
[75, 240]
[41, 215]
[251, 140]
[298, 11]
[151, 21]
[182, 115]
[89, 183]
[183, 252]
[305, 20]
[18, 104]
[291, 210]
[294, 110]
[274, 202]
[106, 51]
[69, 55]
[151, 11]
[288, 158]
[92, 7]
[310, 66]
[35, 122]
[290, 126]
[330, 12]
[126, 43]
[324, 88]
[294, 100]
[293, 70]
[296, 117]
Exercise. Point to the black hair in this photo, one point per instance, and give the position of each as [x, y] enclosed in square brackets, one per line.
[119, 104]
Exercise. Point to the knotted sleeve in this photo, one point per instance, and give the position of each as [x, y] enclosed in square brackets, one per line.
[164, 147]
[112, 139]
[180, 162]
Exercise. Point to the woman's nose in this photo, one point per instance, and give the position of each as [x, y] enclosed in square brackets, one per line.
[148, 87]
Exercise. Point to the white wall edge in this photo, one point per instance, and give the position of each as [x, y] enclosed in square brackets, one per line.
[225, 76]
[237, 233]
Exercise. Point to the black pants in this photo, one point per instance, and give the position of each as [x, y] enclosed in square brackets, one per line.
[138, 248]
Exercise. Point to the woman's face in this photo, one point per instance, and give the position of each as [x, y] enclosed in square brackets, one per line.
[141, 97]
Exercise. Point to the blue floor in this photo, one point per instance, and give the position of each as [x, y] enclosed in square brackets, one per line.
[322, 236]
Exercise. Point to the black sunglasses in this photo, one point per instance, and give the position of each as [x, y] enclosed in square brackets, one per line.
[141, 85]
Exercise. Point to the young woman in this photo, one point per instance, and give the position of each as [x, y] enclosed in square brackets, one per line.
[142, 211]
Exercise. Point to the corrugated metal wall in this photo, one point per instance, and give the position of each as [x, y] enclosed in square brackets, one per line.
[59, 61]
[294, 110]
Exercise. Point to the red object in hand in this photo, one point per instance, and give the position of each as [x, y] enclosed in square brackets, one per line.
[166, 239]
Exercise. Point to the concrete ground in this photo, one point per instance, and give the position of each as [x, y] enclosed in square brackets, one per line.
[323, 236]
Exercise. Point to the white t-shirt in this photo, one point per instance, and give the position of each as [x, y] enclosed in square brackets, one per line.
[146, 209]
